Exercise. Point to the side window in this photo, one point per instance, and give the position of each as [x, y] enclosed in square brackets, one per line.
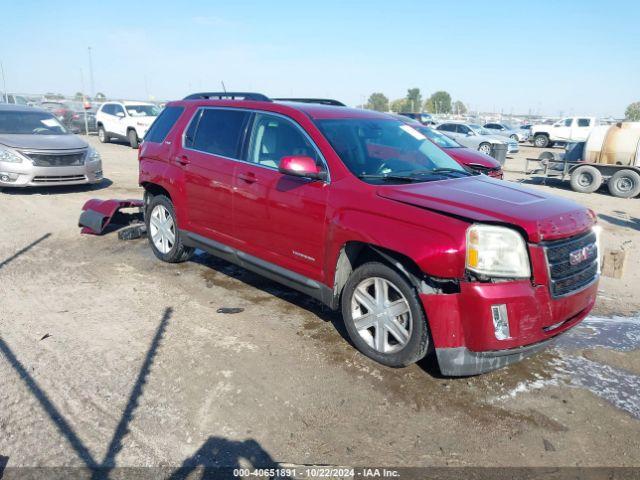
[463, 129]
[567, 122]
[163, 124]
[190, 134]
[117, 109]
[219, 132]
[447, 127]
[108, 109]
[584, 122]
[491, 125]
[274, 137]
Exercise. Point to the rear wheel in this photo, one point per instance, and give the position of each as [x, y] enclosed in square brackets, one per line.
[514, 137]
[384, 317]
[541, 141]
[133, 138]
[585, 179]
[102, 135]
[162, 231]
[624, 184]
[485, 148]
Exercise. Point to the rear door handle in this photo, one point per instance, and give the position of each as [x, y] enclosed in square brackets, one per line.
[248, 177]
[182, 160]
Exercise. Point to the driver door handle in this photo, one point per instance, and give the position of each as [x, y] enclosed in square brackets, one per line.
[182, 160]
[248, 177]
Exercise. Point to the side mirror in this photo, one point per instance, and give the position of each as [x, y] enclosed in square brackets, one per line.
[120, 114]
[301, 167]
[470, 134]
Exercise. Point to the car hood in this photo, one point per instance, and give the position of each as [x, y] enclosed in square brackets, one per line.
[468, 156]
[43, 142]
[483, 199]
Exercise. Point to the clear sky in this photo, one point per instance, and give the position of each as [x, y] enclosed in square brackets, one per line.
[580, 57]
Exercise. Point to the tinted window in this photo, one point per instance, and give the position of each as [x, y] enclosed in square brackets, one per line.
[29, 123]
[117, 109]
[491, 125]
[108, 109]
[567, 122]
[447, 127]
[163, 124]
[219, 132]
[463, 129]
[275, 137]
[190, 134]
[584, 122]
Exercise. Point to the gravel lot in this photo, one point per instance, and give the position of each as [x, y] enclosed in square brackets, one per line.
[109, 357]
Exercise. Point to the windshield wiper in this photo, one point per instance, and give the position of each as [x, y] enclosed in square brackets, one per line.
[387, 177]
[464, 173]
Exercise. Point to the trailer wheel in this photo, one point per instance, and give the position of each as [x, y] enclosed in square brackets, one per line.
[624, 184]
[586, 179]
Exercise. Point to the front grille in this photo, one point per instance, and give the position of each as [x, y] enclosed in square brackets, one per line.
[573, 263]
[56, 159]
[58, 178]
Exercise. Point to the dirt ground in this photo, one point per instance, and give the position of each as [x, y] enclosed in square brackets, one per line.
[109, 357]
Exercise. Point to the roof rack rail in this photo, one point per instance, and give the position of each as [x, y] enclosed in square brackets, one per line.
[321, 101]
[228, 96]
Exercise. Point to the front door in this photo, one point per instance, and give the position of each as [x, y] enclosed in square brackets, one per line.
[212, 149]
[280, 218]
[119, 121]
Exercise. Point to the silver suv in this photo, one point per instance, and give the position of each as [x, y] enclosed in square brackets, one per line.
[36, 150]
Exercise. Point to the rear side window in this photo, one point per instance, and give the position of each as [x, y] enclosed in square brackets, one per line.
[219, 132]
[447, 127]
[163, 124]
[108, 109]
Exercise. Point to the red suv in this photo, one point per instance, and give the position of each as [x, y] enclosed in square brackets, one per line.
[363, 213]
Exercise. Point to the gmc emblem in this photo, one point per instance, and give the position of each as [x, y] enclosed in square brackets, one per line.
[582, 254]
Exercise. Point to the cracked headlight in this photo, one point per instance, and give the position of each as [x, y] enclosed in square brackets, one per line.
[8, 155]
[496, 251]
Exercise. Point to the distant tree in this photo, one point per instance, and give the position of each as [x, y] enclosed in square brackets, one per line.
[633, 112]
[459, 107]
[439, 102]
[79, 96]
[378, 101]
[100, 96]
[414, 100]
[399, 105]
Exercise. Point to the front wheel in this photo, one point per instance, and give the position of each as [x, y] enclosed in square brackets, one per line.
[485, 148]
[133, 139]
[624, 184]
[384, 317]
[514, 137]
[162, 231]
[541, 141]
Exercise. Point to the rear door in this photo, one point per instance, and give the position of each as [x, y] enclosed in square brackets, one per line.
[280, 218]
[562, 130]
[119, 119]
[211, 151]
[581, 129]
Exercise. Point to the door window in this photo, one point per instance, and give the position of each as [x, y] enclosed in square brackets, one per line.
[447, 127]
[273, 138]
[163, 124]
[567, 122]
[220, 132]
[117, 109]
[463, 129]
[584, 122]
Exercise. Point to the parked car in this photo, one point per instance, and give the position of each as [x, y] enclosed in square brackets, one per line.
[474, 136]
[37, 150]
[14, 99]
[571, 129]
[61, 109]
[363, 213]
[125, 121]
[423, 118]
[506, 130]
[467, 157]
[76, 122]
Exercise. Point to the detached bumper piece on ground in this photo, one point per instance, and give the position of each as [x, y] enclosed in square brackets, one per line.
[102, 216]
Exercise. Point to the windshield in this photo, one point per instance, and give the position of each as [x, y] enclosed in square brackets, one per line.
[143, 110]
[378, 150]
[30, 123]
[479, 130]
[438, 138]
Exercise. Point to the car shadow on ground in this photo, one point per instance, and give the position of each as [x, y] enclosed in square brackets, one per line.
[55, 190]
[553, 182]
[622, 220]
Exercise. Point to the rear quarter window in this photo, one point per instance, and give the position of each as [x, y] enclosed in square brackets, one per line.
[163, 124]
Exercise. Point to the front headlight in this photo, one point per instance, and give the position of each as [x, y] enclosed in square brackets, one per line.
[497, 252]
[8, 155]
[93, 155]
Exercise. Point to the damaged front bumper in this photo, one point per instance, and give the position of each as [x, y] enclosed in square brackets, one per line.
[97, 215]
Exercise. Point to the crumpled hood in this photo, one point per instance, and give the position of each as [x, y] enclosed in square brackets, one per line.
[43, 142]
[483, 199]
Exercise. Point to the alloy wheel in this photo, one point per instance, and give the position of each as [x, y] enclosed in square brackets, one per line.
[381, 315]
[162, 229]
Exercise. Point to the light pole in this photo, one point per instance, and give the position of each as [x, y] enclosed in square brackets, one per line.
[4, 84]
[91, 74]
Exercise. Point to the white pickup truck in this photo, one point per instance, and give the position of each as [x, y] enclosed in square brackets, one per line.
[571, 129]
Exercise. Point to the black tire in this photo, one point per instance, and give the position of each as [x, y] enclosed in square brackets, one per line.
[485, 148]
[102, 135]
[133, 138]
[515, 137]
[541, 141]
[178, 252]
[624, 184]
[585, 179]
[419, 341]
